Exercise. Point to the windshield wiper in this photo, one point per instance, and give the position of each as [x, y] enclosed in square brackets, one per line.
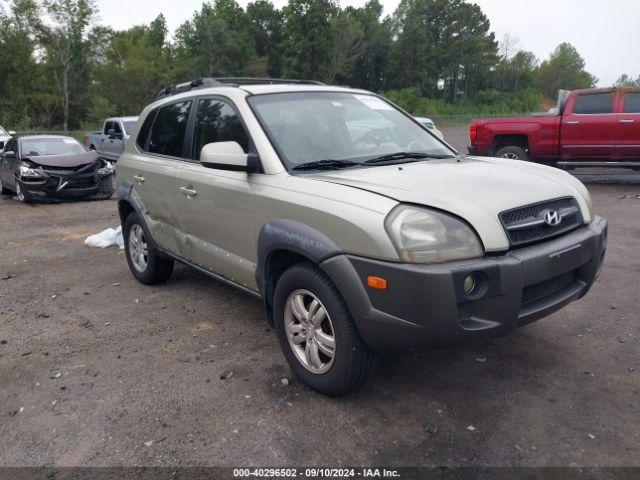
[391, 157]
[327, 164]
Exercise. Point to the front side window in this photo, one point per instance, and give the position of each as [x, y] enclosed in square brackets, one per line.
[314, 126]
[116, 127]
[632, 103]
[107, 126]
[168, 130]
[36, 147]
[216, 121]
[593, 103]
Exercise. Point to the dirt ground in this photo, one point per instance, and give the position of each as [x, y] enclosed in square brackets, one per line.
[96, 369]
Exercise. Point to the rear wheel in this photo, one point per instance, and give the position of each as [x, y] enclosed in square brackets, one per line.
[317, 334]
[145, 262]
[512, 152]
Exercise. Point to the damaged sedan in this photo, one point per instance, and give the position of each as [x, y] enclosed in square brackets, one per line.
[52, 166]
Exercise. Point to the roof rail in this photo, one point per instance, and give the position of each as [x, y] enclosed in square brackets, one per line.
[208, 82]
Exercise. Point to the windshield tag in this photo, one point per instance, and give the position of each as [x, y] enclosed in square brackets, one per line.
[374, 103]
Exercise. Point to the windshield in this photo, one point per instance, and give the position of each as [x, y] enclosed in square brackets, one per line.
[51, 146]
[313, 126]
[128, 126]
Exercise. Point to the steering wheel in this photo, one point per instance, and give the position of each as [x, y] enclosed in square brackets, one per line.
[368, 137]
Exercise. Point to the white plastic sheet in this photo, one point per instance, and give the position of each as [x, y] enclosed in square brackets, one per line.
[110, 237]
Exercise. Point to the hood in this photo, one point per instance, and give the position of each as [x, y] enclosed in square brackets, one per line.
[64, 161]
[476, 189]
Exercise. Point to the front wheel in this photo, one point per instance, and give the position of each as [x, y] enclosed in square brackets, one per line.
[317, 334]
[4, 190]
[513, 153]
[20, 195]
[145, 262]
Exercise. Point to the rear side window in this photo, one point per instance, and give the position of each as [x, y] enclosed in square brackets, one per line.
[143, 134]
[632, 103]
[216, 121]
[593, 103]
[107, 126]
[167, 132]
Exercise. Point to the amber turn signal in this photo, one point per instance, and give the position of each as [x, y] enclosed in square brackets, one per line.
[377, 283]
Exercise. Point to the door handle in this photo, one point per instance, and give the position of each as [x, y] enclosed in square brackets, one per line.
[188, 192]
[572, 122]
[627, 120]
[138, 179]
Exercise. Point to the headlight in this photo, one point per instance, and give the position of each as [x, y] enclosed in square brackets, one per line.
[427, 236]
[106, 169]
[26, 171]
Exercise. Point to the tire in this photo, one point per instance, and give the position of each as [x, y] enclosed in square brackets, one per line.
[22, 196]
[512, 152]
[4, 190]
[149, 268]
[352, 363]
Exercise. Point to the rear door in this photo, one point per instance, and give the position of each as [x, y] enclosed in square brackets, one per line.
[627, 143]
[588, 128]
[217, 206]
[153, 171]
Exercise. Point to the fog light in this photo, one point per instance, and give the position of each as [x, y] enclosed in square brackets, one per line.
[469, 284]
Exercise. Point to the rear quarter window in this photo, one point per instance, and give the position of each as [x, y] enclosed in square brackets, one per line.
[143, 134]
[593, 103]
[632, 103]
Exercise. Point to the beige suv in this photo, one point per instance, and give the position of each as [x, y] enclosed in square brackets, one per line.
[361, 230]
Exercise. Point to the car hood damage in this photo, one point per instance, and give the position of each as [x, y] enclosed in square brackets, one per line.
[72, 162]
[476, 189]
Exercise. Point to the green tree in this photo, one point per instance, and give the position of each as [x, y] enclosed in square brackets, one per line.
[443, 47]
[626, 80]
[267, 30]
[216, 41]
[308, 31]
[370, 65]
[564, 70]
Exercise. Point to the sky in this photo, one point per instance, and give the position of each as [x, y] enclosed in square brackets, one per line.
[605, 32]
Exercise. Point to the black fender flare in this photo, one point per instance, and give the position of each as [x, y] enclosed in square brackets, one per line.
[283, 235]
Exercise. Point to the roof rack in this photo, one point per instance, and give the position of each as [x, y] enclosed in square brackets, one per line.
[208, 82]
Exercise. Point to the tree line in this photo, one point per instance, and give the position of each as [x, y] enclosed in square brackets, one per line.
[60, 69]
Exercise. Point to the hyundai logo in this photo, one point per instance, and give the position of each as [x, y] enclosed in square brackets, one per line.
[552, 218]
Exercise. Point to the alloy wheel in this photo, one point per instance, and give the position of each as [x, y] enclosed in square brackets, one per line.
[19, 193]
[309, 331]
[510, 155]
[138, 248]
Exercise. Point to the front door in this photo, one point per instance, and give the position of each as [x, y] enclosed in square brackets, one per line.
[627, 144]
[217, 206]
[588, 127]
[8, 164]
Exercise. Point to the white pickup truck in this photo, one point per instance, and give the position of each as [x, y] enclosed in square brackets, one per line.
[109, 142]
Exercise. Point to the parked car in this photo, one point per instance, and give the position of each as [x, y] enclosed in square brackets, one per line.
[428, 123]
[361, 232]
[109, 142]
[52, 166]
[4, 136]
[596, 127]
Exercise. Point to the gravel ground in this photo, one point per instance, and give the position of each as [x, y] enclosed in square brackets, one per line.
[96, 369]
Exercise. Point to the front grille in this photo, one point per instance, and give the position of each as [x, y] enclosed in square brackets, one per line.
[539, 291]
[526, 225]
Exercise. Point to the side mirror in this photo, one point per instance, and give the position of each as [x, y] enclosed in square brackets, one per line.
[10, 154]
[225, 156]
[11, 132]
[111, 133]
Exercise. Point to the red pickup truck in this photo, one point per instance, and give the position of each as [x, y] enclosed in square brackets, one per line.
[596, 127]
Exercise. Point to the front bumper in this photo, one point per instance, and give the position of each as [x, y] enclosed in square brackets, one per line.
[425, 307]
[67, 186]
